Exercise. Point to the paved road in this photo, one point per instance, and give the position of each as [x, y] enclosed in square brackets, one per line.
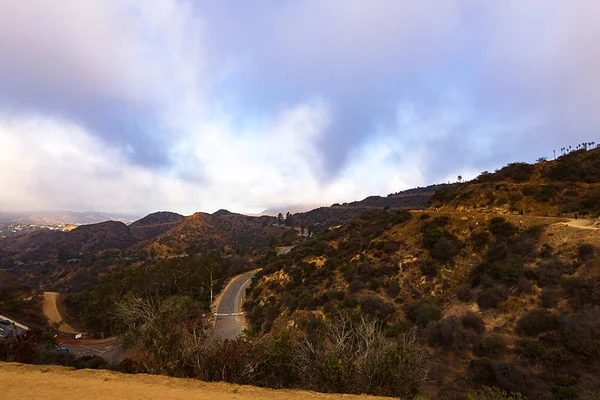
[230, 327]
[112, 351]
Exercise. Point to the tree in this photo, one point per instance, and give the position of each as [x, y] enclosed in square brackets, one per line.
[279, 218]
[289, 219]
[460, 178]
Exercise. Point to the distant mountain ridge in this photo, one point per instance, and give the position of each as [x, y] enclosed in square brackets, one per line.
[63, 217]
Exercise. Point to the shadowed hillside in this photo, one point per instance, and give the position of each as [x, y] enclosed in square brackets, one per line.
[155, 224]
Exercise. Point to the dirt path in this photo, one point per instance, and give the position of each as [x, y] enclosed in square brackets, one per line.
[581, 223]
[26, 382]
[50, 308]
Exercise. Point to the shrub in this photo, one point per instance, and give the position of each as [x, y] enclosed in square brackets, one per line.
[495, 393]
[473, 321]
[564, 387]
[429, 268]
[449, 334]
[445, 249]
[585, 252]
[463, 292]
[479, 239]
[549, 298]
[376, 307]
[537, 321]
[392, 288]
[500, 227]
[490, 297]
[516, 172]
[424, 312]
[492, 346]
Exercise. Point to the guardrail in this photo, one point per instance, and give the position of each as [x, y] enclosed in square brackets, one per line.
[229, 314]
[15, 323]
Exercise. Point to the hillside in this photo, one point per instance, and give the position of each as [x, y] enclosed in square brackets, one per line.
[209, 231]
[32, 381]
[500, 301]
[155, 224]
[562, 187]
[324, 217]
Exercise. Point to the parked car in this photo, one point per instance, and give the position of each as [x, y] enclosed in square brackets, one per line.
[62, 350]
[5, 321]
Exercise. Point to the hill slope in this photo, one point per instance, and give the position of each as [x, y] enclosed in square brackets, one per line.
[29, 381]
[565, 186]
[480, 290]
[155, 224]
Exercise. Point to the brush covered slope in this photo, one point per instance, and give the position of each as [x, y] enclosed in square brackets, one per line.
[202, 231]
[325, 217]
[565, 186]
[505, 301]
[74, 261]
[155, 224]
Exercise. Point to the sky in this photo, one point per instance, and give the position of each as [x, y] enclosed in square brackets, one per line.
[146, 105]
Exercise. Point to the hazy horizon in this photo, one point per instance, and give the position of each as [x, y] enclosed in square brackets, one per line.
[186, 106]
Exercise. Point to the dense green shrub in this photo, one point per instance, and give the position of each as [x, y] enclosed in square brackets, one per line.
[499, 226]
[537, 321]
[490, 297]
[451, 334]
[472, 321]
[585, 252]
[491, 346]
[464, 293]
[424, 312]
[549, 298]
[376, 307]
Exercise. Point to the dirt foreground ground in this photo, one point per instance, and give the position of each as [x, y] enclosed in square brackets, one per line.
[23, 382]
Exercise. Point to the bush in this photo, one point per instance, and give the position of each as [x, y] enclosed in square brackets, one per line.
[500, 227]
[549, 298]
[495, 393]
[585, 252]
[392, 288]
[424, 312]
[479, 239]
[490, 297]
[449, 334]
[429, 268]
[463, 292]
[376, 307]
[473, 321]
[492, 346]
[535, 322]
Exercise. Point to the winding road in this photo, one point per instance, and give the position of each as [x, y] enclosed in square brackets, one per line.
[229, 326]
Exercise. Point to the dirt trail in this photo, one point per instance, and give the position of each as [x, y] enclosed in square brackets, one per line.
[26, 382]
[50, 308]
[581, 223]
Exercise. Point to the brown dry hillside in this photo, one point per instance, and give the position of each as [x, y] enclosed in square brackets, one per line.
[562, 187]
[155, 224]
[209, 231]
[509, 301]
[20, 381]
[50, 245]
[324, 217]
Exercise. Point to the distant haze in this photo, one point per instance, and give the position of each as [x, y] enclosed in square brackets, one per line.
[180, 105]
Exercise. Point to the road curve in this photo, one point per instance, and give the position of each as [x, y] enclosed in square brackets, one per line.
[50, 308]
[230, 327]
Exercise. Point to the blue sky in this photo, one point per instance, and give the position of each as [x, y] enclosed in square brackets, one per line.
[138, 106]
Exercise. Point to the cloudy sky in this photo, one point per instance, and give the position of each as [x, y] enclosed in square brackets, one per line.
[145, 105]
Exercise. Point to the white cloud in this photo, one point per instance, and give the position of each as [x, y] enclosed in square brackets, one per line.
[251, 110]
